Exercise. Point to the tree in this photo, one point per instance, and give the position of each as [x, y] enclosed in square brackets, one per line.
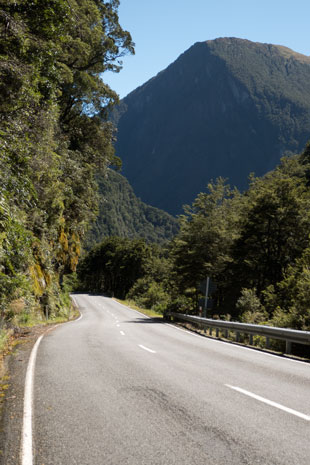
[274, 232]
[54, 132]
[207, 232]
[114, 266]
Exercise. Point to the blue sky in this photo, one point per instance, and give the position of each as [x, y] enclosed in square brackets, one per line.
[163, 29]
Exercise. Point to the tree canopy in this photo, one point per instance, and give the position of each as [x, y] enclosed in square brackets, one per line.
[54, 134]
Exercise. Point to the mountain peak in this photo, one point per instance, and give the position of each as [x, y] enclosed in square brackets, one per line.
[239, 43]
[225, 107]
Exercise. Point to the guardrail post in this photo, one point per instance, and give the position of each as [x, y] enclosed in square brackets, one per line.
[229, 328]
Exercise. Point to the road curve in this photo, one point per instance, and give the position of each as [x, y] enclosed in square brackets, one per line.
[116, 388]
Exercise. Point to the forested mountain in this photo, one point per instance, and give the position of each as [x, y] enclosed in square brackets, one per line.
[54, 136]
[122, 214]
[225, 107]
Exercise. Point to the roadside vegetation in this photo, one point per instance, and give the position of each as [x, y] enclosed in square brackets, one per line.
[255, 246]
[146, 311]
[54, 137]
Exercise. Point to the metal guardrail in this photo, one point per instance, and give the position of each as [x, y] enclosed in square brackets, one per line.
[270, 332]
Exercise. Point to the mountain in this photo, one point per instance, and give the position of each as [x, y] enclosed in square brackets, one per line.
[122, 214]
[225, 107]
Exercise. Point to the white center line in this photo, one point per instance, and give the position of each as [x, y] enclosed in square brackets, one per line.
[122, 333]
[146, 348]
[270, 402]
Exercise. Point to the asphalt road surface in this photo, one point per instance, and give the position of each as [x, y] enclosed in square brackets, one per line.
[118, 388]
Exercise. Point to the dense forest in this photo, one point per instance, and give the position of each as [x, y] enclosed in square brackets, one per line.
[255, 246]
[54, 137]
[122, 214]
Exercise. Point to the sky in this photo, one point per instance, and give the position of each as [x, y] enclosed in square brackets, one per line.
[163, 29]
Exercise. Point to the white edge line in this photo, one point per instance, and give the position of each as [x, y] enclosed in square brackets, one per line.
[122, 333]
[270, 402]
[26, 450]
[78, 319]
[253, 350]
[217, 341]
[132, 309]
[77, 306]
[146, 348]
[26, 439]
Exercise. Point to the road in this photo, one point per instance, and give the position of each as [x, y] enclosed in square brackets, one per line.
[117, 388]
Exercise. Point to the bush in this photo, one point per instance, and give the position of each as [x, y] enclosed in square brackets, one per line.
[250, 307]
[149, 294]
[182, 304]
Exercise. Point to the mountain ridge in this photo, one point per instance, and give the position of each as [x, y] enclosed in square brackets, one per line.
[122, 214]
[225, 107]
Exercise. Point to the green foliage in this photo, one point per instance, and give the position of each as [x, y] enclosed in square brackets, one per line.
[289, 299]
[129, 267]
[4, 337]
[275, 230]
[15, 254]
[149, 294]
[254, 246]
[54, 136]
[113, 266]
[208, 231]
[250, 307]
[122, 214]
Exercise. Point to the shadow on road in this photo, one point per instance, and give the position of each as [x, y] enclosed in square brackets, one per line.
[145, 321]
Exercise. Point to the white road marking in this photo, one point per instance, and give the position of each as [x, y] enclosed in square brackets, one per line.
[235, 346]
[132, 310]
[270, 402]
[26, 439]
[216, 341]
[117, 326]
[146, 348]
[122, 333]
[78, 319]
[26, 452]
[81, 316]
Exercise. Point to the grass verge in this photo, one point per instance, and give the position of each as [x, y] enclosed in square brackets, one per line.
[134, 306]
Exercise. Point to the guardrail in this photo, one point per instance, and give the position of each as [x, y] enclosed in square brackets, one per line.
[270, 332]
